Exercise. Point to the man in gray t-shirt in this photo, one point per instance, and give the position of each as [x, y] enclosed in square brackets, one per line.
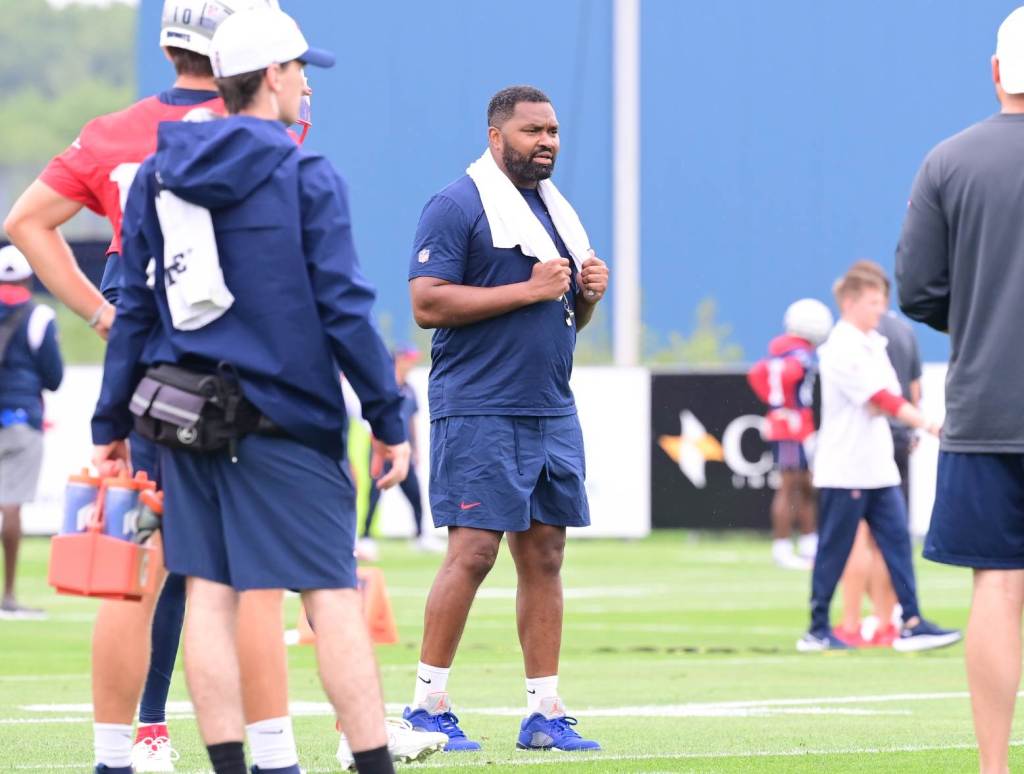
[960, 268]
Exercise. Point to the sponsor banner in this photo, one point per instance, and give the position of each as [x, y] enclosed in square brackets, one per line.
[614, 412]
[710, 469]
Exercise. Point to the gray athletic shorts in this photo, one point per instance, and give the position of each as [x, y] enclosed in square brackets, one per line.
[21, 459]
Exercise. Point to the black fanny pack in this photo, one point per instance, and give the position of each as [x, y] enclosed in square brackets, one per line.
[196, 411]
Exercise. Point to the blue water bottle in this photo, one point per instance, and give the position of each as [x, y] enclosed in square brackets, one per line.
[121, 504]
[79, 502]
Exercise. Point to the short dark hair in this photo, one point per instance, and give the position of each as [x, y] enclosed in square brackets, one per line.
[503, 104]
[239, 91]
[189, 62]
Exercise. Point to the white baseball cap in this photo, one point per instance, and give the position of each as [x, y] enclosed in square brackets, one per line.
[14, 265]
[253, 40]
[1010, 52]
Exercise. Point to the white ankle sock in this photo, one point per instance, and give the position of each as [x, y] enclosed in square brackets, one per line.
[538, 689]
[807, 545]
[272, 742]
[429, 679]
[112, 743]
[782, 547]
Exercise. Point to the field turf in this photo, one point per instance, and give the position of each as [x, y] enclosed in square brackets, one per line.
[678, 657]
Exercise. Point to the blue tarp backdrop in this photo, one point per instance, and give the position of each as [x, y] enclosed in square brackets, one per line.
[779, 140]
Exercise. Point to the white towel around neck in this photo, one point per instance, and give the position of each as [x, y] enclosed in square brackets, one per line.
[193, 279]
[513, 223]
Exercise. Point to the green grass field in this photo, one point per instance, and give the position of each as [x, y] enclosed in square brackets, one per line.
[678, 657]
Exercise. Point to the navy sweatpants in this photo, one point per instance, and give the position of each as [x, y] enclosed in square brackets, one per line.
[839, 514]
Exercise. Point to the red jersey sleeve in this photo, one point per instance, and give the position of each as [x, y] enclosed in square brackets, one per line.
[69, 174]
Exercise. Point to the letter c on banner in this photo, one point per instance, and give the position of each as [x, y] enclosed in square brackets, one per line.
[732, 445]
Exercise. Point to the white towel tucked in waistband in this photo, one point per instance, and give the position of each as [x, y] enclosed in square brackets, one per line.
[196, 293]
[512, 221]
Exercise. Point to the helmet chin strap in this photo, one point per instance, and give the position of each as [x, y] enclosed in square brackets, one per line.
[305, 119]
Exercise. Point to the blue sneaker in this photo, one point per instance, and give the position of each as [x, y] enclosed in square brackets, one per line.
[438, 718]
[924, 635]
[815, 642]
[541, 731]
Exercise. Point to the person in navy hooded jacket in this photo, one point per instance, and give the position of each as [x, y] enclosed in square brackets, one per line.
[30, 362]
[255, 271]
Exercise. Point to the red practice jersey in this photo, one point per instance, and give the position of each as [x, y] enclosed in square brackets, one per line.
[99, 166]
[785, 381]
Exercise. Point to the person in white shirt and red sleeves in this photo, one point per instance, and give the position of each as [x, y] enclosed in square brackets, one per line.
[855, 473]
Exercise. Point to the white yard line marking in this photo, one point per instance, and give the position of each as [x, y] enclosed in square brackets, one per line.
[743, 708]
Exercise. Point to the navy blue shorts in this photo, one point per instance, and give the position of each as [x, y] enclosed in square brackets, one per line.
[283, 516]
[501, 472]
[789, 455]
[978, 517]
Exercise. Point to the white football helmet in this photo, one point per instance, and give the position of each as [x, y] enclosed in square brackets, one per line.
[809, 319]
[189, 24]
[14, 265]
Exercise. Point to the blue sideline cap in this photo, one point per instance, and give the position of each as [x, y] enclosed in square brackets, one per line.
[252, 40]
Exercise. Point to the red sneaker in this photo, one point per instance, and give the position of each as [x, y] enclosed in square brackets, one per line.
[884, 636]
[850, 638]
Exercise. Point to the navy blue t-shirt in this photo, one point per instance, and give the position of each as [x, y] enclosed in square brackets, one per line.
[110, 285]
[516, 364]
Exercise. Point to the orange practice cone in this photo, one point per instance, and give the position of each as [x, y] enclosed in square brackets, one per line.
[376, 609]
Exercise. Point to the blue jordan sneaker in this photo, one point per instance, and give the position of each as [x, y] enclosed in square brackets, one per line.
[437, 717]
[551, 728]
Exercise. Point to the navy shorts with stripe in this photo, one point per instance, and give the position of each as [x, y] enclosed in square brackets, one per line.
[978, 516]
[502, 472]
[283, 516]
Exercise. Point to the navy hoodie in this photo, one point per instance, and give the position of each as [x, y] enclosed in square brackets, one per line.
[33, 362]
[302, 308]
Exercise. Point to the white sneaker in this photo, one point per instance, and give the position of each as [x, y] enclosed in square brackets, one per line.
[786, 558]
[429, 543]
[366, 550]
[807, 545]
[406, 744]
[153, 755]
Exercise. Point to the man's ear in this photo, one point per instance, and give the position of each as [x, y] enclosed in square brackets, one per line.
[495, 140]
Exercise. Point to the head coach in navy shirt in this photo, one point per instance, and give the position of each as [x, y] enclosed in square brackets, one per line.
[255, 274]
[506, 449]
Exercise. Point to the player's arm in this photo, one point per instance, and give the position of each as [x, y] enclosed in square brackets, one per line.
[922, 254]
[898, 407]
[438, 303]
[32, 225]
[593, 285]
[344, 302]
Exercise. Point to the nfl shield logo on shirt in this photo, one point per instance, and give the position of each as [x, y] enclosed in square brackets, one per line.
[423, 256]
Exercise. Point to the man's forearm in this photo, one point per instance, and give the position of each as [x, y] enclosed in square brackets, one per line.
[584, 311]
[453, 306]
[55, 265]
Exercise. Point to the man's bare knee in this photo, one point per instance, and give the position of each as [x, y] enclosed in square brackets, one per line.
[474, 559]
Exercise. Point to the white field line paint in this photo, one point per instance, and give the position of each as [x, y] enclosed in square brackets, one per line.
[43, 678]
[549, 759]
[650, 627]
[745, 708]
[585, 592]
